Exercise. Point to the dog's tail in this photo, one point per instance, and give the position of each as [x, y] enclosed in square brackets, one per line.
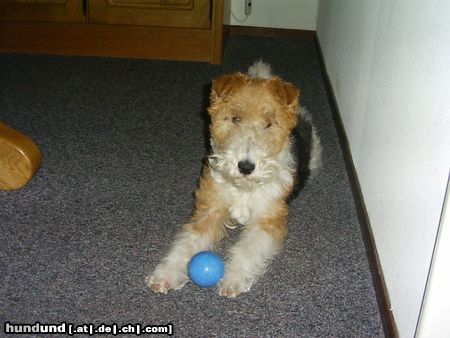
[260, 69]
[315, 153]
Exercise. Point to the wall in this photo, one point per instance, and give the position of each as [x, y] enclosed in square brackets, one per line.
[433, 321]
[292, 14]
[389, 64]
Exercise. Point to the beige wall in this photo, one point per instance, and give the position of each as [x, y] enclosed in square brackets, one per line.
[389, 64]
[292, 14]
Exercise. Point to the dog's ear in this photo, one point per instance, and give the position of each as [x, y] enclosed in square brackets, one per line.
[288, 95]
[285, 92]
[224, 86]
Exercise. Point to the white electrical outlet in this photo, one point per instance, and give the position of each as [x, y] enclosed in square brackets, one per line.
[248, 7]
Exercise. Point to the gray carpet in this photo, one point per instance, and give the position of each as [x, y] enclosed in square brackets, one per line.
[122, 144]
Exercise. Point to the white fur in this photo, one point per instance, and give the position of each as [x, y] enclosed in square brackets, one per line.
[246, 144]
[316, 149]
[316, 153]
[248, 260]
[260, 69]
[250, 196]
[173, 268]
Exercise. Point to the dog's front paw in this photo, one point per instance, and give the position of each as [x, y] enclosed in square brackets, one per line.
[232, 287]
[162, 286]
[163, 281]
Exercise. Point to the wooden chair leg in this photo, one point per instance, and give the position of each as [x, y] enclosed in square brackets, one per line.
[20, 159]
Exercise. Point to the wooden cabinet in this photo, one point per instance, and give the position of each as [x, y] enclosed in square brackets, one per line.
[42, 10]
[161, 29]
[163, 13]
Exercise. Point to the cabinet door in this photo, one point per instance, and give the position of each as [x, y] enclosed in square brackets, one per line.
[163, 13]
[42, 10]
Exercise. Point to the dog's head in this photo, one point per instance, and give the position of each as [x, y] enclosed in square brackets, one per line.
[251, 123]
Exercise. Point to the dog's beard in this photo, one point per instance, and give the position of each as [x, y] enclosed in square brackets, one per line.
[225, 168]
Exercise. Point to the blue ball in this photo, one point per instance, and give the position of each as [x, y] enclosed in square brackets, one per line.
[205, 269]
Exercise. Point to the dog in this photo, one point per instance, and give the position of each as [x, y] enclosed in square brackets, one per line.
[259, 160]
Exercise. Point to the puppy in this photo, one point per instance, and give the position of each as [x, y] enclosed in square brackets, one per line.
[258, 161]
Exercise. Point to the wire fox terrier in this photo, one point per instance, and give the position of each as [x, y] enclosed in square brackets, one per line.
[259, 158]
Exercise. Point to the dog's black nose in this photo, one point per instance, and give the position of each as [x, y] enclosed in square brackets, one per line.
[246, 167]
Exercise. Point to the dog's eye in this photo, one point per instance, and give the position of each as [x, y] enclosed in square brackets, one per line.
[268, 125]
[236, 119]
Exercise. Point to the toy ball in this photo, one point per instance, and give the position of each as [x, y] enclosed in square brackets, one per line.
[205, 269]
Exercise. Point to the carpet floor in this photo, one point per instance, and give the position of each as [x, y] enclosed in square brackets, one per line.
[122, 143]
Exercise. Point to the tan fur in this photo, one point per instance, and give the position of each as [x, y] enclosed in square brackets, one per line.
[210, 210]
[275, 222]
[265, 111]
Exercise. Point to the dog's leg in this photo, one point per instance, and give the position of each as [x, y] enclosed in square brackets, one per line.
[250, 257]
[205, 228]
